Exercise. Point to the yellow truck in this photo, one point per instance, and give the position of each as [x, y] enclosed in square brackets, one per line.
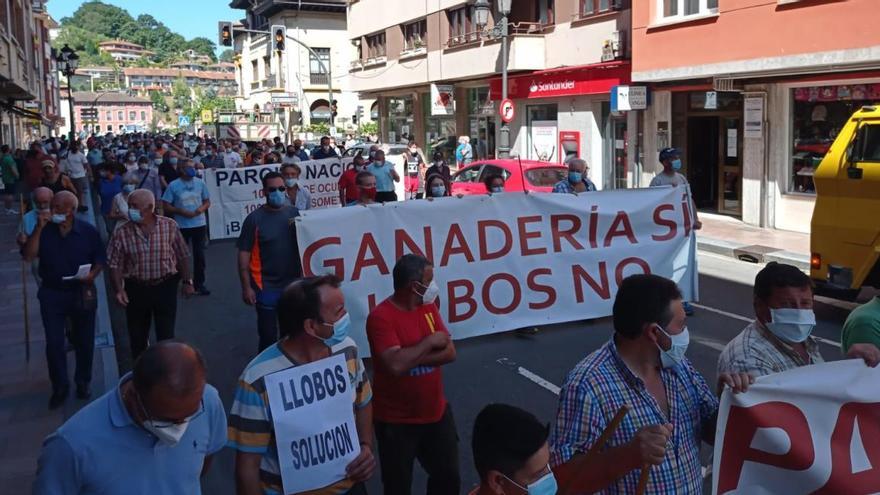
[845, 239]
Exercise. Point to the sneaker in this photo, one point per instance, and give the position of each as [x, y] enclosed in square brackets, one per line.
[203, 291]
[688, 309]
[58, 398]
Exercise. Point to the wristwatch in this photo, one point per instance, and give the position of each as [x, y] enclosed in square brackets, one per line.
[188, 281]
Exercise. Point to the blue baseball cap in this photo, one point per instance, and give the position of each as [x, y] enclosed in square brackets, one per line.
[669, 153]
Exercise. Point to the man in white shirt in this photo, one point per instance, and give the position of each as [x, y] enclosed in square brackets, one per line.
[231, 158]
[77, 167]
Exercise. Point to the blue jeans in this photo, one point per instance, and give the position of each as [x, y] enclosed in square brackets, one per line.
[267, 317]
[56, 305]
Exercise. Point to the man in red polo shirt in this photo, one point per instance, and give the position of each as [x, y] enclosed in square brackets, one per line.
[409, 343]
[348, 188]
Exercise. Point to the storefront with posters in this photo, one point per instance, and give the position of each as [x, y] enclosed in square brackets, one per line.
[565, 112]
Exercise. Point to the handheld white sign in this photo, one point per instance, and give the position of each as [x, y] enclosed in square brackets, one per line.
[313, 417]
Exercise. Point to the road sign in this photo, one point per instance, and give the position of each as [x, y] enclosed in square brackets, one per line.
[207, 116]
[285, 99]
[507, 110]
[182, 121]
[89, 113]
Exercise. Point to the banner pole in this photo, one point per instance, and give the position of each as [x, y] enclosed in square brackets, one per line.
[24, 294]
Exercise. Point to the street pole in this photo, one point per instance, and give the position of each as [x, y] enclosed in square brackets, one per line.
[504, 139]
[70, 103]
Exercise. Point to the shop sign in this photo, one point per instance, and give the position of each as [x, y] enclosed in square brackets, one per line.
[624, 98]
[753, 117]
[442, 101]
[711, 100]
[588, 80]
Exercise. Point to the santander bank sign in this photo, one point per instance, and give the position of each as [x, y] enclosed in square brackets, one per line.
[537, 89]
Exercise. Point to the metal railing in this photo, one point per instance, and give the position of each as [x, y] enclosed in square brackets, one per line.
[318, 79]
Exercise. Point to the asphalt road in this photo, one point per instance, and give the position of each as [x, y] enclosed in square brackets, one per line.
[496, 368]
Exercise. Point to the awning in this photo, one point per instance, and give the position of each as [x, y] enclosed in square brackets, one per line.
[592, 79]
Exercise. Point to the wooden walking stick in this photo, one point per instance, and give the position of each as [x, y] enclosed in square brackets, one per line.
[565, 484]
[643, 479]
[24, 295]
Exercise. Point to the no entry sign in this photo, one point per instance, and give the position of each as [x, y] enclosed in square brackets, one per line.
[507, 110]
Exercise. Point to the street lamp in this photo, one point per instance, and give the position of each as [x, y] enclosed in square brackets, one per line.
[68, 61]
[482, 10]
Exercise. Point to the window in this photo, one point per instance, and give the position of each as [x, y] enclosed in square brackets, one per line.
[376, 45]
[866, 147]
[461, 25]
[317, 74]
[545, 176]
[594, 7]
[671, 9]
[132, 115]
[414, 35]
[120, 115]
[109, 115]
[467, 175]
[544, 12]
[143, 115]
[267, 67]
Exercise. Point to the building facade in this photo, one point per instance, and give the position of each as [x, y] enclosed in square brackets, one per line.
[297, 81]
[29, 95]
[564, 58]
[755, 110]
[117, 112]
[144, 80]
[124, 51]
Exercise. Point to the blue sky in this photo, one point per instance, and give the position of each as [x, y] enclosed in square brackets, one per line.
[189, 18]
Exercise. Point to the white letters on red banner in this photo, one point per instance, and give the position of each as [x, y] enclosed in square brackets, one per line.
[235, 192]
[508, 260]
[811, 430]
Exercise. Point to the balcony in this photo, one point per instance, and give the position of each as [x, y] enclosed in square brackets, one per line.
[318, 79]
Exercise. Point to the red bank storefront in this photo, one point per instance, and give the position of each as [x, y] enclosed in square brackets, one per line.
[566, 112]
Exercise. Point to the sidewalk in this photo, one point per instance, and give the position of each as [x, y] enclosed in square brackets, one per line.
[25, 419]
[731, 237]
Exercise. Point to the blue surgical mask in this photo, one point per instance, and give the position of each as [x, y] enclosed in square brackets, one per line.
[277, 199]
[675, 354]
[676, 164]
[575, 177]
[438, 191]
[135, 215]
[497, 189]
[291, 182]
[340, 331]
[189, 172]
[59, 218]
[545, 485]
[172, 161]
[792, 324]
[128, 188]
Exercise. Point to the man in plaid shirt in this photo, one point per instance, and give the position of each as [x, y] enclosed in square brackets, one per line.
[147, 258]
[671, 408]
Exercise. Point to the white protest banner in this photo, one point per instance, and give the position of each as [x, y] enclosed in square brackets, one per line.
[813, 429]
[313, 417]
[508, 260]
[235, 192]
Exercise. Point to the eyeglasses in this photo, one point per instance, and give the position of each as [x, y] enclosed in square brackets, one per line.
[274, 189]
[164, 423]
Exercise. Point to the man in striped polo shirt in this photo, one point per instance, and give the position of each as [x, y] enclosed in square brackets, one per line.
[314, 326]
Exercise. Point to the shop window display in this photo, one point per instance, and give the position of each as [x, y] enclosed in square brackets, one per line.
[819, 113]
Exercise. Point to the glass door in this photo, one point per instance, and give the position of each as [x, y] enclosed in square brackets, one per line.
[730, 166]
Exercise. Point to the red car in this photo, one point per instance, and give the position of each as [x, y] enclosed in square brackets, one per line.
[519, 176]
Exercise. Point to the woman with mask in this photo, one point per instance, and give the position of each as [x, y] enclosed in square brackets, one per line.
[435, 187]
[119, 209]
[494, 183]
[297, 196]
[441, 168]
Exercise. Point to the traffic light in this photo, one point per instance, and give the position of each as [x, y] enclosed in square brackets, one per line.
[354, 119]
[360, 114]
[225, 30]
[333, 108]
[279, 34]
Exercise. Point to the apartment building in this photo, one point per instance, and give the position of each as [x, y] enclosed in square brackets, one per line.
[144, 80]
[754, 92]
[295, 87]
[117, 112]
[29, 95]
[124, 51]
[565, 57]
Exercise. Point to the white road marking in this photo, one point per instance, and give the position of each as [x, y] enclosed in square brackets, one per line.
[746, 319]
[837, 303]
[710, 343]
[538, 380]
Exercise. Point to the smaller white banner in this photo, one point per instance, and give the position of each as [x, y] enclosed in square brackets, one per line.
[442, 99]
[810, 430]
[313, 417]
[236, 192]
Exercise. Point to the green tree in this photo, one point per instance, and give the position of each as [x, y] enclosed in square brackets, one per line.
[369, 128]
[99, 18]
[181, 95]
[227, 55]
[202, 46]
[159, 103]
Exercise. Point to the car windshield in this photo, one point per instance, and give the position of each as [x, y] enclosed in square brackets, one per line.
[545, 176]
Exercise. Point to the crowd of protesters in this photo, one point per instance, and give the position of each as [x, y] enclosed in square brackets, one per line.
[157, 430]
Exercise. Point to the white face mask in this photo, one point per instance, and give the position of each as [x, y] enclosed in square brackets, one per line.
[792, 324]
[675, 354]
[431, 293]
[170, 435]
